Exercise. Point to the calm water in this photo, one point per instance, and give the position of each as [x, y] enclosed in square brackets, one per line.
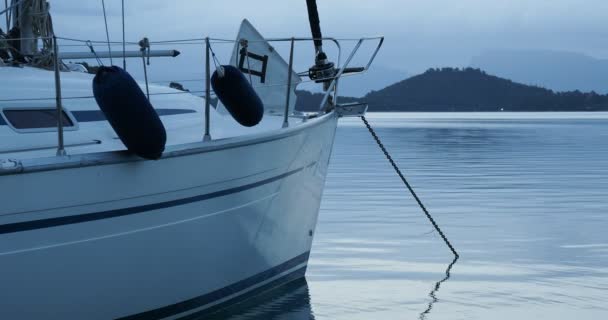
[523, 198]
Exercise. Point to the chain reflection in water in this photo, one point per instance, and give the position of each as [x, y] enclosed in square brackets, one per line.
[433, 293]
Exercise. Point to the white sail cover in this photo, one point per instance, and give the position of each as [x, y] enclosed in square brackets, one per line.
[266, 70]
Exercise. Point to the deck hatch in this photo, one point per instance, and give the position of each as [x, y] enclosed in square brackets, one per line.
[36, 119]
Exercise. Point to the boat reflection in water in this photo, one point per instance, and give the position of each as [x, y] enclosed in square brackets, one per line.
[293, 302]
[289, 302]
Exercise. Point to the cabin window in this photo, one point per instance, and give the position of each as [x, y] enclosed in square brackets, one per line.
[24, 119]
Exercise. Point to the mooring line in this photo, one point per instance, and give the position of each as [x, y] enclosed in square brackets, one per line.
[409, 187]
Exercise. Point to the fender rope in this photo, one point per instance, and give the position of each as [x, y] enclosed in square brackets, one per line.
[409, 187]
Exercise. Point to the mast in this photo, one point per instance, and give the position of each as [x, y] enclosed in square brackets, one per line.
[23, 19]
[31, 22]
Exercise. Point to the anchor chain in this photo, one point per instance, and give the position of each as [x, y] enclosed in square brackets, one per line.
[409, 187]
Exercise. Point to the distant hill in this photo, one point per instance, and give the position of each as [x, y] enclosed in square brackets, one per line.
[376, 78]
[556, 70]
[453, 89]
[308, 101]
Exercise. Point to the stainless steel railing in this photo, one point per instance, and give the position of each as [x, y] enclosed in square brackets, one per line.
[60, 146]
[207, 136]
[208, 93]
[334, 85]
[288, 93]
[333, 88]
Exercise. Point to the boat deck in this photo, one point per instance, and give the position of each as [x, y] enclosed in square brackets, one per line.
[182, 114]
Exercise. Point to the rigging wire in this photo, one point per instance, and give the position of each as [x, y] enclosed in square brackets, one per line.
[94, 41]
[8, 8]
[105, 19]
[42, 24]
[194, 41]
[124, 43]
[8, 22]
[216, 61]
[90, 45]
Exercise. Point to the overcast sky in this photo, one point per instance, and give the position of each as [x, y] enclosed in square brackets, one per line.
[420, 34]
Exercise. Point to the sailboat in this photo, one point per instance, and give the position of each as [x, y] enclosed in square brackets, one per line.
[91, 227]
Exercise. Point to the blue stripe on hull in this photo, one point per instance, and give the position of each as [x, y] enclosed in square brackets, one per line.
[88, 217]
[98, 115]
[227, 291]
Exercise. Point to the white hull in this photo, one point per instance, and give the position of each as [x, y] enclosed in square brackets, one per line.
[161, 239]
